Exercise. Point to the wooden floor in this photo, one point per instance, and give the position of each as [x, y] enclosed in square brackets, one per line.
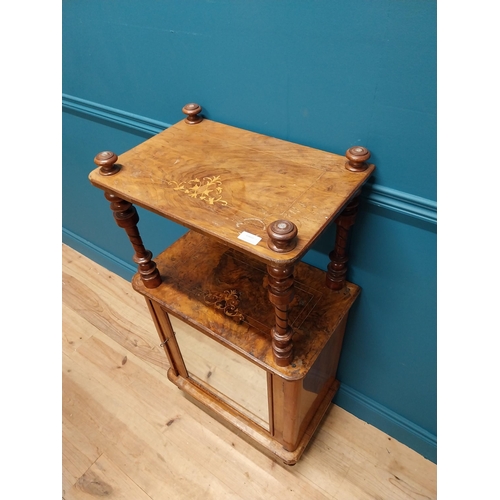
[129, 433]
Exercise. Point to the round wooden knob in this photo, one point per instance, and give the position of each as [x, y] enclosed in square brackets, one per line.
[282, 236]
[191, 110]
[357, 157]
[107, 161]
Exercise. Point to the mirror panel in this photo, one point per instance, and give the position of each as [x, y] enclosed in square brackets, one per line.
[238, 382]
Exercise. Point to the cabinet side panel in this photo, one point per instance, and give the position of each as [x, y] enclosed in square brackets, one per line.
[320, 377]
[295, 404]
[286, 396]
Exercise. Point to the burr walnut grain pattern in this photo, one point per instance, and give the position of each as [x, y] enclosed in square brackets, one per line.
[221, 180]
[315, 311]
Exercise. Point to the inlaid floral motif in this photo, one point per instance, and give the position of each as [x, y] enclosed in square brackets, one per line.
[209, 189]
[226, 301]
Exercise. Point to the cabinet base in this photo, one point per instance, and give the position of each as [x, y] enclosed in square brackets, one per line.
[245, 429]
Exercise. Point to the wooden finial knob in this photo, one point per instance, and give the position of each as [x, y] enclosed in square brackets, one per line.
[191, 110]
[282, 235]
[106, 160]
[357, 157]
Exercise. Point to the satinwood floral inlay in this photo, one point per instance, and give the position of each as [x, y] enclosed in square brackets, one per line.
[226, 301]
[209, 189]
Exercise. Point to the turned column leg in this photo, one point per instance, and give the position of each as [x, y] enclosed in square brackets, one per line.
[337, 268]
[126, 217]
[281, 292]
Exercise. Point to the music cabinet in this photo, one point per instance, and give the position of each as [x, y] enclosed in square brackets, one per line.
[252, 334]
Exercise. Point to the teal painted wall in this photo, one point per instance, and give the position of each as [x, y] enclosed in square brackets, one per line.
[327, 74]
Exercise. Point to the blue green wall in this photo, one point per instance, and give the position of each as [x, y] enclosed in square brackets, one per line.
[327, 74]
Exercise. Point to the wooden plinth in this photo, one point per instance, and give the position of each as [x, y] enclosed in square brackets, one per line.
[256, 437]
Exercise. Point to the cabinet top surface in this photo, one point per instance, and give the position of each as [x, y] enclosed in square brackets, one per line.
[225, 295]
[223, 181]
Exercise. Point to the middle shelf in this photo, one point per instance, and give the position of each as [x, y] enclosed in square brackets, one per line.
[223, 294]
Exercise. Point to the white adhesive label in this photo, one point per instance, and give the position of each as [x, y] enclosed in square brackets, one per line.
[253, 239]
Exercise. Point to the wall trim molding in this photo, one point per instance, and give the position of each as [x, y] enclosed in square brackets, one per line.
[99, 255]
[113, 115]
[388, 421]
[380, 196]
[401, 202]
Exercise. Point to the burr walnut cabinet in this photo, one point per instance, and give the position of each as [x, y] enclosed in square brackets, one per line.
[252, 334]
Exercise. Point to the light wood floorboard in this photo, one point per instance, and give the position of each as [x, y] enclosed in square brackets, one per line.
[128, 433]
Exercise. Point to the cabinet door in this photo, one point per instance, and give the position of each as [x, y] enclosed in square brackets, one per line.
[238, 382]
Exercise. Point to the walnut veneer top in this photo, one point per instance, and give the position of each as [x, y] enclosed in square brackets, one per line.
[220, 180]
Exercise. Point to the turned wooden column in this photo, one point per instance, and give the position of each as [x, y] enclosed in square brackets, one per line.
[282, 238]
[281, 292]
[126, 217]
[337, 268]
